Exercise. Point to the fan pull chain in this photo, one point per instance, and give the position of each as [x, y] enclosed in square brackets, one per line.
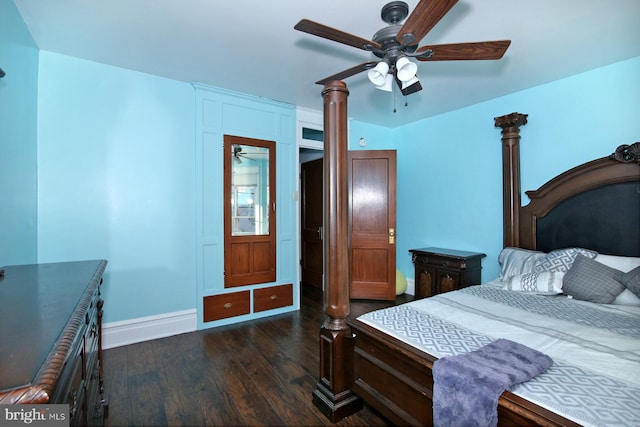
[393, 95]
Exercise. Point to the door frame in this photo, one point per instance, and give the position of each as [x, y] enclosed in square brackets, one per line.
[311, 119]
[298, 213]
[311, 219]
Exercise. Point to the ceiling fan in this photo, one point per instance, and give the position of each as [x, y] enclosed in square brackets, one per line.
[238, 155]
[396, 43]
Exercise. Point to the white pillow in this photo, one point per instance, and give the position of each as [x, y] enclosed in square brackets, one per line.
[546, 283]
[627, 298]
[517, 261]
[622, 263]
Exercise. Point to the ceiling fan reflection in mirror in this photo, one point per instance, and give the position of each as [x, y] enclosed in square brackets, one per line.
[238, 155]
[396, 44]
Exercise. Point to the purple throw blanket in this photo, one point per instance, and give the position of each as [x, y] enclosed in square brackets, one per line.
[466, 387]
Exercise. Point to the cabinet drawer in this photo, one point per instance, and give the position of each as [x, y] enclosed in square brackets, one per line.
[272, 297]
[218, 307]
[441, 261]
[91, 340]
[71, 389]
[94, 398]
[447, 281]
[447, 258]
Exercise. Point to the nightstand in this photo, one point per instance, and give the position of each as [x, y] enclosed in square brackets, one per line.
[439, 270]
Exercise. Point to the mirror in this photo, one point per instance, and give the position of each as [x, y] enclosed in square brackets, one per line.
[249, 190]
[249, 211]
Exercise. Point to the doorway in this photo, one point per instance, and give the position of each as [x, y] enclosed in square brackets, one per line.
[372, 177]
[372, 224]
[311, 166]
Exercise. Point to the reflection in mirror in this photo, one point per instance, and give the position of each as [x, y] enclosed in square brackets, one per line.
[249, 190]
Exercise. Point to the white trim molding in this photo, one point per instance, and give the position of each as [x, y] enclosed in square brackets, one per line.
[411, 286]
[116, 334]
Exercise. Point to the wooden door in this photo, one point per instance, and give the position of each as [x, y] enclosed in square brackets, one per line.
[249, 211]
[372, 217]
[311, 184]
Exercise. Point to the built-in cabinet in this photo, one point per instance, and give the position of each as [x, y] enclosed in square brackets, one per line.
[241, 274]
[232, 304]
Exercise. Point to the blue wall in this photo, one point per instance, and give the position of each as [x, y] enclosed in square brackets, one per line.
[449, 173]
[18, 139]
[116, 181]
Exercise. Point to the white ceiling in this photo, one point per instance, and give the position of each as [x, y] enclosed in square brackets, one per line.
[251, 46]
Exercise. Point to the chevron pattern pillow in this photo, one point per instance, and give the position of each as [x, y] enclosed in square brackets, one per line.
[538, 283]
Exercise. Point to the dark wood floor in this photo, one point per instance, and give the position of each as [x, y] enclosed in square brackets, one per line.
[257, 373]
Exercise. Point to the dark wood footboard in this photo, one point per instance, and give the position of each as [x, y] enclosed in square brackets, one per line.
[395, 379]
[392, 377]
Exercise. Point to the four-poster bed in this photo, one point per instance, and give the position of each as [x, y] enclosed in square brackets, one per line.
[361, 361]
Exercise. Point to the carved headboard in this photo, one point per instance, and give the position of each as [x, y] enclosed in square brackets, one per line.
[595, 205]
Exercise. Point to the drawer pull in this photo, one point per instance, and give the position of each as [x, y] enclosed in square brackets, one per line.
[274, 297]
[228, 305]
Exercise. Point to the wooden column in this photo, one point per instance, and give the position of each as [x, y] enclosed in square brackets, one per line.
[332, 394]
[510, 125]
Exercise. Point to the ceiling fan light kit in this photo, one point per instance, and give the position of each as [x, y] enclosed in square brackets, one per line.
[408, 83]
[396, 43]
[405, 69]
[387, 86]
[378, 74]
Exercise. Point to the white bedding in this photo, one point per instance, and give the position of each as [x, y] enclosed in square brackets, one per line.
[595, 379]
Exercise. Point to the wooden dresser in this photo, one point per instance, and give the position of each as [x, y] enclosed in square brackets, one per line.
[50, 337]
[439, 270]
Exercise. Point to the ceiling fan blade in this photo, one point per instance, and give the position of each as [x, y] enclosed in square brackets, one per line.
[424, 17]
[339, 36]
[464, 51]
[348, 73]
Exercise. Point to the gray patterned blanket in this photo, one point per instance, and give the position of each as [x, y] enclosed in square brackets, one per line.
[595, 379]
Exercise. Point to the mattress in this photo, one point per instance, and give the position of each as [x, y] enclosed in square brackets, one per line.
[595, 378]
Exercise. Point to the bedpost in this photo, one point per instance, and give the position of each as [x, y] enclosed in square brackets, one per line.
[510, 125]
[332, 394]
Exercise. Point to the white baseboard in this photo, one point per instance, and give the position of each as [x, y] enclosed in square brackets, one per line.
[411, 287]
[116, 334]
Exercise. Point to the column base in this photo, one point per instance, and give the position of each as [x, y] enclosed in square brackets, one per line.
[336, 406]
